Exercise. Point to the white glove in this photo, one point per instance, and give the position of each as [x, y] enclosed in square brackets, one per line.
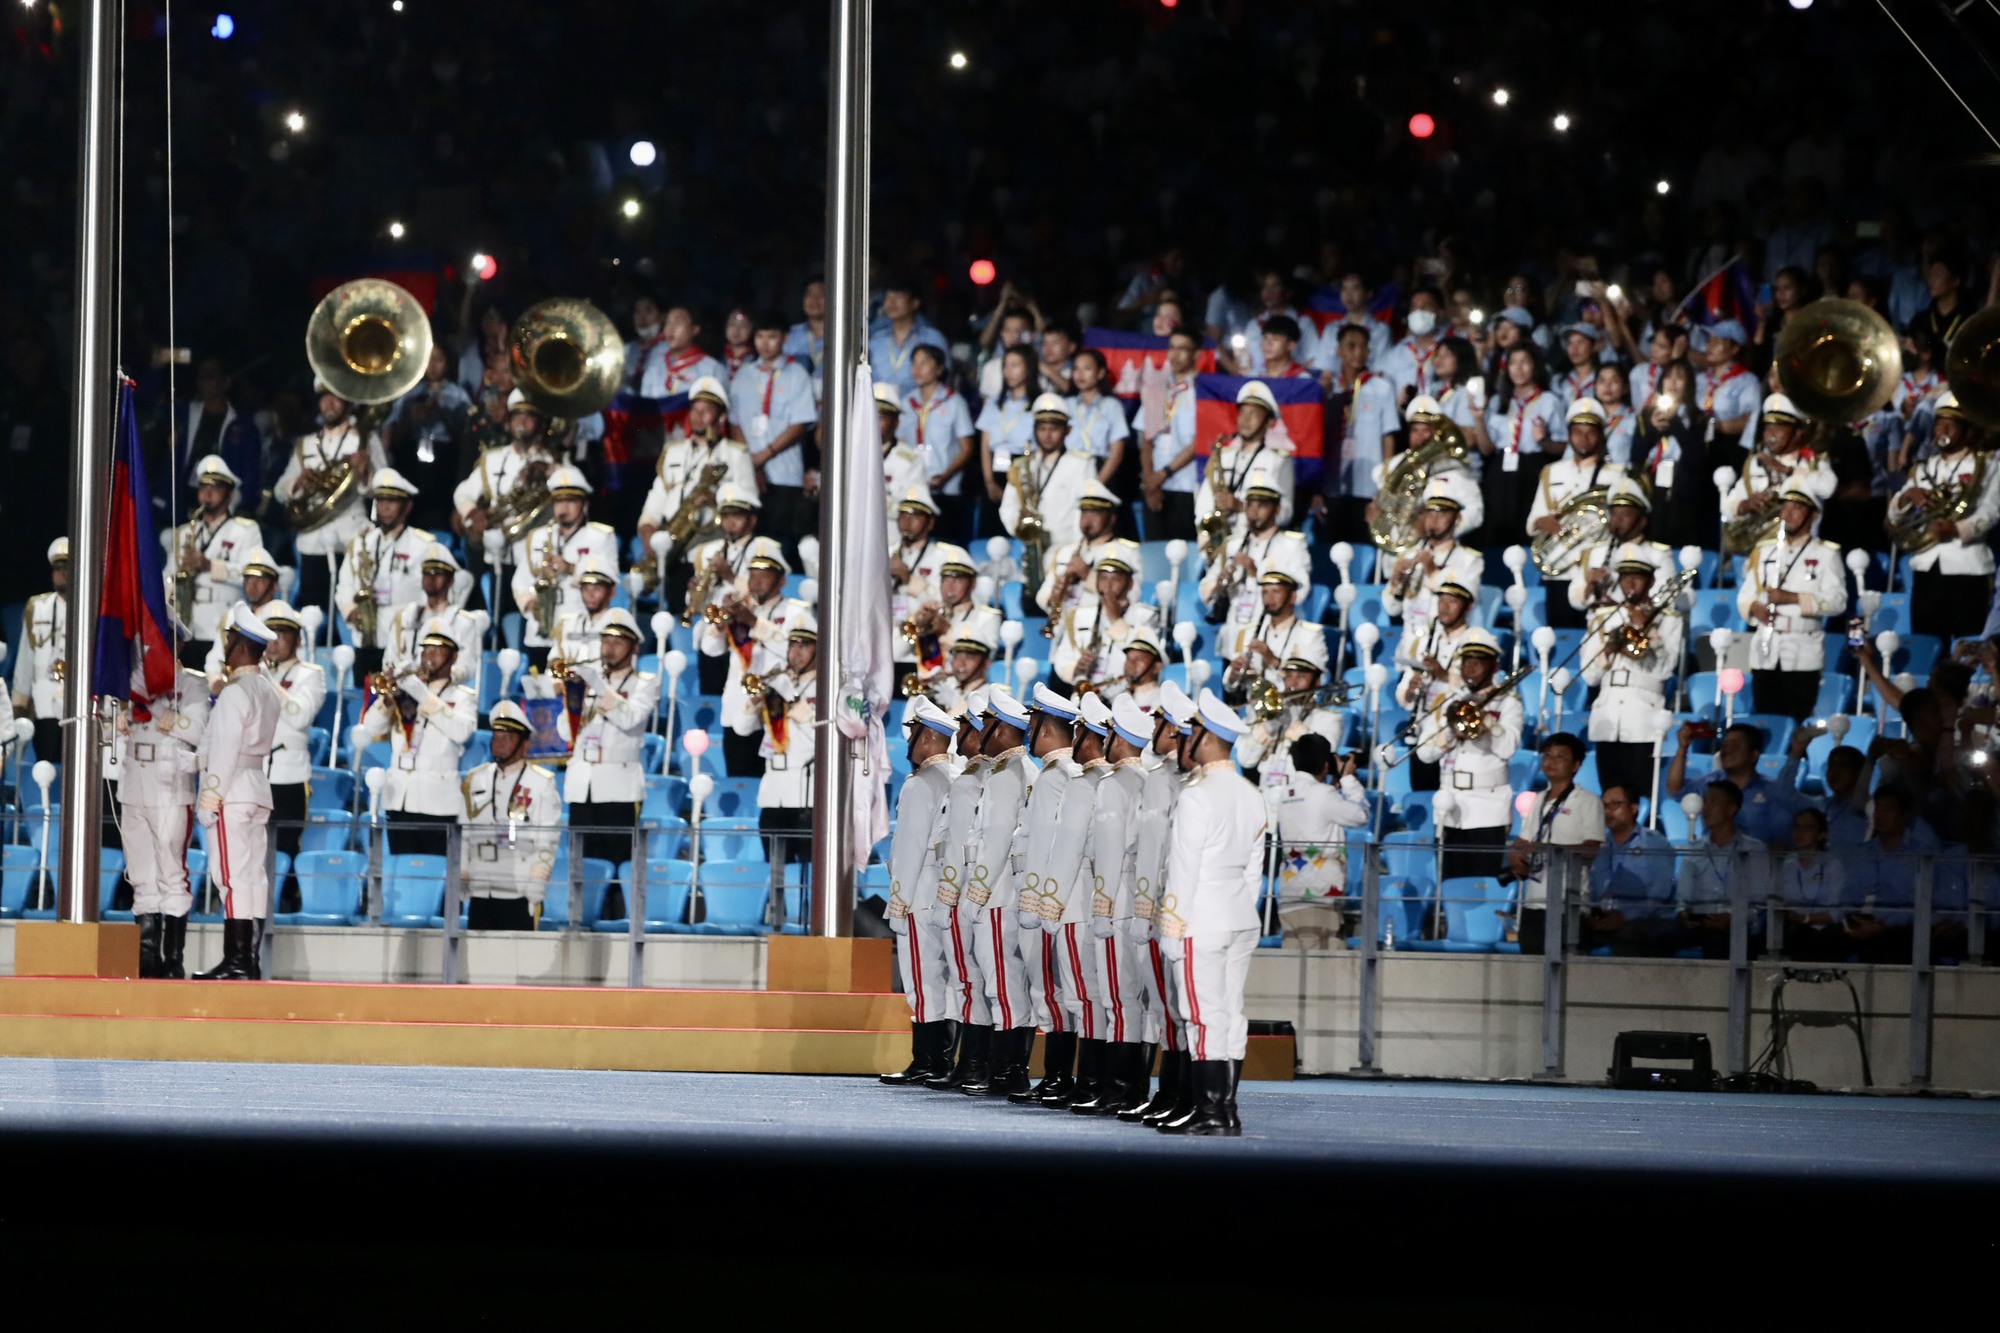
[1029, 920]
[941, 915]
[208, 809]
[1102, 927]
[412, 684]
[899, 925]
[430, 706]
[589, 674]
[164, 721]
[1172, 949]
[206, 817]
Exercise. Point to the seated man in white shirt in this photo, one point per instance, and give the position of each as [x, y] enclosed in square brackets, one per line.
[1322, 800]
[1563, 815]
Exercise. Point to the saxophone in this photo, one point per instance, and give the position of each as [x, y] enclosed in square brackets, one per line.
[548, 576]
[1031, 529]
[693, 500]
[187, 569]
[1091, 647]
[1215, 527]
[699, 592]
[366, 613]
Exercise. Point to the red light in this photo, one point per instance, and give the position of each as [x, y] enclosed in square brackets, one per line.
[1168, 4]
[1422, 126]
[485, 266]
[982, 272]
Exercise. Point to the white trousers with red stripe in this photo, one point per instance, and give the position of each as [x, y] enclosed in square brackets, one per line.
[964, 982]
[921, 950]
[1076, 956]
[1121, 970]
[1214, 973]
[156, 844]
[236, 850]
[1040, 960]
[1158, 1021]
[996, 949]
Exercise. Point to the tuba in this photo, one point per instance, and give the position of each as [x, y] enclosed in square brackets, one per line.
[1972, 368]
[369, 341]
[567, 360]
[1585, 517]
[1837, 360]
[1401, 496]
[1030, 527]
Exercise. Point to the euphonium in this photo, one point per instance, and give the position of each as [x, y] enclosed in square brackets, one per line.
[526, 504]
[1911, 530]
[1584, 519]
[1031, 528]
[1401, 497]
[693, 500]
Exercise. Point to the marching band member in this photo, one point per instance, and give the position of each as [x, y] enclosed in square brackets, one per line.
[986, 906]
[1121, 964]
[546, 560]
[1084, 655]
[525, 460]
[1312, 816]
[335, 440]
[1422, 419]
[235, 794]
[1582, 468]
[1953, 580]
[1159, 983]
[43, 660]
[772, 406]
[1791, 585]
[1473, 768]
[1628, 515]
[159, 744]
[783, 713]
[720, 568]
[1067, 583]
[428, 721]
[513, 810]
[1144, 663]
[916, 561]
[1260, 651]
[301, 691]
[444, 588]
[971, 644]
[1781, 464]
[1055, 475]
[1628, 657]
[693, 467]
[1259, 446]
[1229, 588]
[580, 634]
[1428, 658]
[750, 635]
[916, 850]
[1208, 918]
[606, 778]
[1410, 591]
[382, 569]
[951, 914]
[1563, 815]
[1264, 753]
[261, 576]
[205, 558]
[1061, 905]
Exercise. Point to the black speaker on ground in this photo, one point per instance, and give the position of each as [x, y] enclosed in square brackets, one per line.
[1691, 1047]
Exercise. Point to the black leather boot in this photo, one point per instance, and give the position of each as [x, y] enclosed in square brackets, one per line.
[173, 947]
[149, 945]
[1173, 1068]
[1211, 1104]
[1089, 1074]
[1010, 1063]
[978, 1068]
[925, 1042]
[239, 953]
[1187, 1100]
[1058, 1058]
[1235, 1082]
[1124, 1083]
[969, 1040]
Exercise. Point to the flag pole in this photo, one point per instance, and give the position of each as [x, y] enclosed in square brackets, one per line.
[847, 308]
[96, 397]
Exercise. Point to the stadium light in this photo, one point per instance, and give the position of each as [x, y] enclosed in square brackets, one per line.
[1501, 97]
[1422, 126]
[644, 154]
[295, 121]
[630, 208]
[1661, 187]
[1801, 5]
[982, 272]
[224, 29]
[1561, 122]
[396, 231]
[958, 60]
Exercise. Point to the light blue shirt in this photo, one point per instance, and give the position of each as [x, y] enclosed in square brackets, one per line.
[1093, 426]
[764, 401]
[1011, 422]
[937, 431]
[1637, 876]
[890, 360]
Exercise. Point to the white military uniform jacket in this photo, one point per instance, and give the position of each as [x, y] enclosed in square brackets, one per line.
[765, 648]
[398, 566]
[218, 581]
[606, 760]
[995, 854]
[682, 463]
[489, 482]
[317, 452]
[1313, 818]
[1291, 639]
[924, 559]
[1238, 463]
[44, 642]
[1565, 479]
[920, 845]
[580, 637]
[1267, 746]
[903, 469]
[423, 760]
[1282, 551]
[511, 820]
[1456, 563]
[596, 540]
[403, 641]
[301, 691]
[1160, 789]
[961, 826]
[158, 759]
[1630, 691]
[1475, 771]
[1215, 862]
[1114, 845]
[211, 662]
[1969, 553]
[1604, 555]
[1062, 479]
[738, 555]
[242, 729]
[1086, 621]
[1044, 869]
[1418, 689]
[1080, 590]
[788, 761]
[1792, 639]
[1811, 472]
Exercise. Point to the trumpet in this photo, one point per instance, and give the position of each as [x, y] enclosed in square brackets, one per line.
[1267, 701]
[753, 685]
[914, 685]
[716, 614]
[561, 669]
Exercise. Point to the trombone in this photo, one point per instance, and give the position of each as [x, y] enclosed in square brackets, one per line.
[1267, 701]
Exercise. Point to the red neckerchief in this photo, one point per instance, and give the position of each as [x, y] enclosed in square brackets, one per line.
[924, 409]
[676, 363]
[1715, 384]
[770, 381]
[1521, 417]
[734, 358]
[1423, 361]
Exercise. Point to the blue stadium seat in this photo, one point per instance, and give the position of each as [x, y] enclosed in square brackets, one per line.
[1315, 604]
[330, 889]
[733, 798]
[1674, 823]
[1860, 734]
[1403, 903]
[1475, 916]
[731, 840]
[1410, 856]
[319, 744]
[595, 879]
[653, 750]
[1893, 614]
[1714, 608]
[412, 890]
[327, 831]
[1010, 599]
[734, 898]
[332, 788]
[668, 887]
[665, 798]
[110, 871]
[18, 863]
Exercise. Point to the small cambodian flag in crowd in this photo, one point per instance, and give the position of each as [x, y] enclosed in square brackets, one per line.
[1301, 411]
[1726, 295]
[133, 627]
[1126, 356]
[630, 414]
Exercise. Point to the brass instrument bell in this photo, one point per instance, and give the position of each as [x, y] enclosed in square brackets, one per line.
[1838, 360]
[1972, 367]
[753, 685]
[567, 357]
[370, 341]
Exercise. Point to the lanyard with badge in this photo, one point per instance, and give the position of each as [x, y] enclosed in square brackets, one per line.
[487, 851]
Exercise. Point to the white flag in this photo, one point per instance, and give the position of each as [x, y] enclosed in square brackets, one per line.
[867, 667]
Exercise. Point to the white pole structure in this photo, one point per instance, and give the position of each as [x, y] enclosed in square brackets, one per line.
[94, 390]
[1663, 721]
[847, 177]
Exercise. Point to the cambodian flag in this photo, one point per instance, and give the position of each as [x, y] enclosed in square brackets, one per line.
[1127, 355]
[630, 413]
[1725, 294]
[133, 627]
[1301, 411]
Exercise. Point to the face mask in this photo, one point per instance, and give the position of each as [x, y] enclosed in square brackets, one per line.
[1422, 322]
[646, 331]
